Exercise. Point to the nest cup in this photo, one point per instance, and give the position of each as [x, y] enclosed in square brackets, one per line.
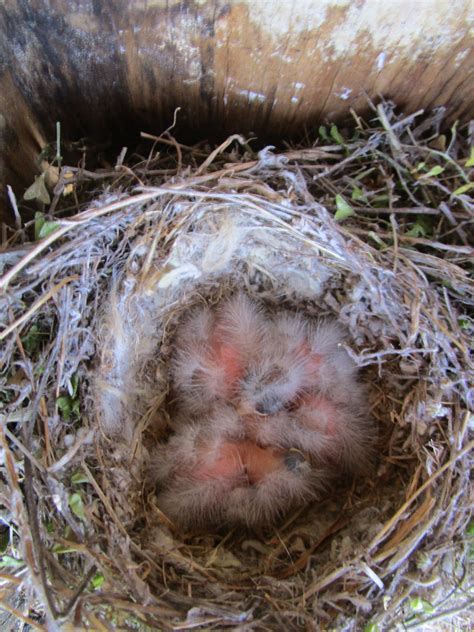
[106, 290]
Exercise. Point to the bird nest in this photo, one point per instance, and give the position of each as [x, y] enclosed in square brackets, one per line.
[368, 227]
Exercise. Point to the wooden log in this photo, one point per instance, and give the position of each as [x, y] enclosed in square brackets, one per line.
[272, 68]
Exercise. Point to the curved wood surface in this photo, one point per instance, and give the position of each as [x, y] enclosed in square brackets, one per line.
[270, 67]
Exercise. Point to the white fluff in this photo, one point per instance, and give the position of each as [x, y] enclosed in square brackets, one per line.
[269, 409]
[228, 495]
[212, 350]
[131, 377]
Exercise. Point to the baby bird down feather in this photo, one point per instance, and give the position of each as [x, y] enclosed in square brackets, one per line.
[268, 410]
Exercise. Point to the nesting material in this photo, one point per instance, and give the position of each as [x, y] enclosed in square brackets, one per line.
[368, 229]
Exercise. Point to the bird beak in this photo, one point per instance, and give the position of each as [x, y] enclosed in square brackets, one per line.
[295, 460]
[244, 409]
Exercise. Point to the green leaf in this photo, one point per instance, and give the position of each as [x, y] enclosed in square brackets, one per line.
[8, 560]
[76, 407]
[420, 166]
[416, 604]
[39, 221]
[417, 230]
[428, 608]
[422, 227]
[464, 188]
[64, 404]
[470, 160]
[79, 477]
[470, 528]
[74, 384]
[97, 581]
[434, 171]
[43, 228]
[343, 209]
[371, 627]
[32, 340]
[381, 200]
[378, 240]
[47, 228]
[323, 133]
[336, 135]
[77, 506]
[37, 191]
[357, 194]
[421, 605]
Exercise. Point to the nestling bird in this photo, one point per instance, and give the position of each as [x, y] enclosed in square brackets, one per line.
[300, 356]
[335, 373]
[340, 432]
[213, 349]
[276, 376]
[268, 409]
[206, 478]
